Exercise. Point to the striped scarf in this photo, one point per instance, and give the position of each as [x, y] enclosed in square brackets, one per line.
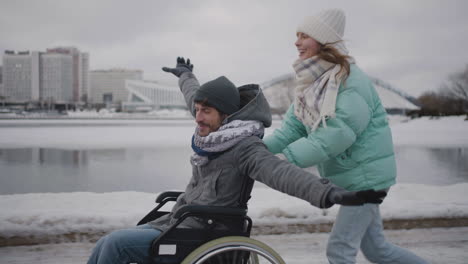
[317, 87]
[228, 135]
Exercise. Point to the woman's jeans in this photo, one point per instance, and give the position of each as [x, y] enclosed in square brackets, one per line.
[361, 227]
[125, 246]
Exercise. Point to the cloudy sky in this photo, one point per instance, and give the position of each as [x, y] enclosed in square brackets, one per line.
[413, 45]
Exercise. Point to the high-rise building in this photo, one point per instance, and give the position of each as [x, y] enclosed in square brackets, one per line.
[21, 76]
[1, 82]
[56, 79]
[80, 64]
[108, 86]
[60, 75]
[85, 88]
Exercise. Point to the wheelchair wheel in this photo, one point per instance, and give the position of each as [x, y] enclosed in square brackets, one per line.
[233, 250]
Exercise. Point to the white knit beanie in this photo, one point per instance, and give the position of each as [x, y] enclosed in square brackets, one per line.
[325, 27]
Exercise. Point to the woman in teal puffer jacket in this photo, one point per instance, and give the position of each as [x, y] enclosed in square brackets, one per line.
[338, 124]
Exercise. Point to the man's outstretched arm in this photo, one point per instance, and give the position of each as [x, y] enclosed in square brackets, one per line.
[188, 83]
[259, 164]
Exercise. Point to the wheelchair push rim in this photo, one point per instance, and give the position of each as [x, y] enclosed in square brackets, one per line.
[240, 249]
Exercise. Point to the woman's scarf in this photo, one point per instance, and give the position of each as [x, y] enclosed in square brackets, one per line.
[317, 87]
[228, 135]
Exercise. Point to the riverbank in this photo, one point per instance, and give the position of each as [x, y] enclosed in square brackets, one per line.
[74, 216]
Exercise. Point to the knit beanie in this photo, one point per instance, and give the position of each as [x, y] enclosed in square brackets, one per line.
[220, 93]
[325, 27]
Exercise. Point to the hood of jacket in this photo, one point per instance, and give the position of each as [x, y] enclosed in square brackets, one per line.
[253, 105]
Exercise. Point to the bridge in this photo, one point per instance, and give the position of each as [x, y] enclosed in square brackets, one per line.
[280, 93]
[149, 95]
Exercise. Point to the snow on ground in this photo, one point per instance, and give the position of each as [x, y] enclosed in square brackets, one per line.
[42, 214]
[432, 132]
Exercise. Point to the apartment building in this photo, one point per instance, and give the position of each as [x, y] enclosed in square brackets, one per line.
[58, 75]
[56, 78]
[21, 76]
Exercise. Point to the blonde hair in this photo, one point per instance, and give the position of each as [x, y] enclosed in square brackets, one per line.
[331, 54]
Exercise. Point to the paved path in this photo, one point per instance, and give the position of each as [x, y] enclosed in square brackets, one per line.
[438, 245]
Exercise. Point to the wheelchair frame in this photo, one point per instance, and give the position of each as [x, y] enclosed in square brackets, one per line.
[193, 246]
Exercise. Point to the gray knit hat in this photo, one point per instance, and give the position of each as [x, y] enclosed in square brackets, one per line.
[325, 27]
[220, 93]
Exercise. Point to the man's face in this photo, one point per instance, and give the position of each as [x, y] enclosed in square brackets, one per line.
[208, 119]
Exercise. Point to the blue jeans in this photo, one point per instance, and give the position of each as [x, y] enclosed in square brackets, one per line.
[125, 246]
[361, 227]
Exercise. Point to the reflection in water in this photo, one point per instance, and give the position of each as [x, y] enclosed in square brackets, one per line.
[74, 158]
[55, 170]
[432, 165]
[153, 170]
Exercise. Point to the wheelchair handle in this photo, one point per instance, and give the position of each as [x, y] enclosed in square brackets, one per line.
[171, 196]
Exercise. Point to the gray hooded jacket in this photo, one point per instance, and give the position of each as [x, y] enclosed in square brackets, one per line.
[218, 183]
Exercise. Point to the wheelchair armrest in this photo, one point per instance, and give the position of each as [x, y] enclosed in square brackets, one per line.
[209, 210]
[168, 196]
[217, 212]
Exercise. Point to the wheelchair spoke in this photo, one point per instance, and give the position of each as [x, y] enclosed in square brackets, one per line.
[233, 250]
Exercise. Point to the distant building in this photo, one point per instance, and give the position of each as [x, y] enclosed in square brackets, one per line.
[85, 85]
[60, 75]
[21, 76]
[150, 95]
[1, 82]
[108, 86]
[80, 66]
[56, 79]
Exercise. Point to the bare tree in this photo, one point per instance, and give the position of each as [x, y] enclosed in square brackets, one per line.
[450, 99]
[456, 87]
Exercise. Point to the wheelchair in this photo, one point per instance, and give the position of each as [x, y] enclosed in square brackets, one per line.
[231, 245]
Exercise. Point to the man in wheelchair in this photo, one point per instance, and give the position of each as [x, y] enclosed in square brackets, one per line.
[228, 156]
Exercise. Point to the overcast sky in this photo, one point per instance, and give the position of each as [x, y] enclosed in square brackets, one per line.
[414, 45]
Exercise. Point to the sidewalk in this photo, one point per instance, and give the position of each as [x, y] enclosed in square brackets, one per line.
[437, 245]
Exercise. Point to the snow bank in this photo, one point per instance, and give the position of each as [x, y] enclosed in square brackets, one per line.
[42, 214]
[432, 132]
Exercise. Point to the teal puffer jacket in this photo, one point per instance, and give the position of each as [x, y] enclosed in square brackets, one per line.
[354, 150]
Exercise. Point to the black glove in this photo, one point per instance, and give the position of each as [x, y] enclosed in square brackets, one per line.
[338, 195]
[180, 67]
